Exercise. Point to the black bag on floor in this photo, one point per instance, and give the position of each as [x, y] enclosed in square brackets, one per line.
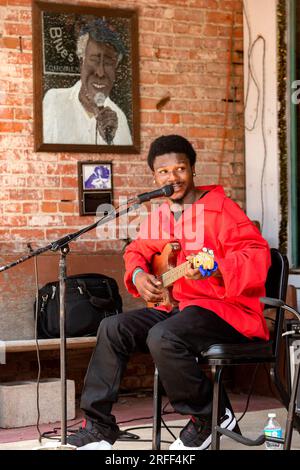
[88, 299]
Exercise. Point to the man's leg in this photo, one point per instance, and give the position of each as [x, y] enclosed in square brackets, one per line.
[174, 345]
[118, 336]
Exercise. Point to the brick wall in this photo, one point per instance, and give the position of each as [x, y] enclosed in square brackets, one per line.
[184, 52]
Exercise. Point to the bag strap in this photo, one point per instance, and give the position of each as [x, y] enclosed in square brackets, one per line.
[42, 312]
[111, 293]
[96, 301]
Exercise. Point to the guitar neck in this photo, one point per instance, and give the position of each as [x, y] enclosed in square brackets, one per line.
[175, 273]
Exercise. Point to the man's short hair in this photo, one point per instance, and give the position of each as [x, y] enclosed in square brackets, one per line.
[100, 31]
[169, 144]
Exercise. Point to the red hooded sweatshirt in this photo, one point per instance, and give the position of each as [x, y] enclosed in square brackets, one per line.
[242, 254]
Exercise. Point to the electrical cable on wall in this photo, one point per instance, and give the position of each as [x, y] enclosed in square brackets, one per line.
[37, 346]
[261, 98]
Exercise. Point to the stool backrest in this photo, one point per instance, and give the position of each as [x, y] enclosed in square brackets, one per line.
[276, 287]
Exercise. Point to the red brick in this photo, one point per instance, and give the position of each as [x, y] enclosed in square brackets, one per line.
[24, 194]
[27, 73]
[26, 44]
[19, 58]
[14, 181]
[25, 15]
[23, 234]
[6, 113]
[181, 28]
[159, 40]
[210, 31]
[55, 233]
[12, 14]
[59, 195]
[19, 2]
[147, 24]
[148, 78]
[67, 169]
[184, 42]
[10, 43]
[37, 180]
[13, 207]
[69, 182]
[20, 86]
[23, 114]
[12, 127]
[17, 29]
[233, 5]
[69, 207]
[190, 15]
[168, 79]
[76, 220]
[45, 220]
[13, 221]
[218, 18]
[30, 207]
[49, 207]
[173, 118]
[204, 132]
[207, 4]
[148, 103]
[146, 51]
[157, 118]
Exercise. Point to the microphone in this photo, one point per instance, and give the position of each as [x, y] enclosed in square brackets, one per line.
[99, 100]
[165, 191]
[108, 135]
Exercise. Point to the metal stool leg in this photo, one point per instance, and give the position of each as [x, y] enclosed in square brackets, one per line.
[215, 436]
[156, 432]
[291, 411]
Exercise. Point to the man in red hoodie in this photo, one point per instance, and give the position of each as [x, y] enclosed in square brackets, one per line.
[218, 307]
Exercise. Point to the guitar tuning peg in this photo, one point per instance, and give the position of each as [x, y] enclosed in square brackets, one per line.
[211, 252]
[204, 249]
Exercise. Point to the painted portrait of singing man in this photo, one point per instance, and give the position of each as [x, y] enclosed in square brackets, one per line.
[85, 113]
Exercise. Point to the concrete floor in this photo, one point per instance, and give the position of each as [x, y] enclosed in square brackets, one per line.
[251, 425]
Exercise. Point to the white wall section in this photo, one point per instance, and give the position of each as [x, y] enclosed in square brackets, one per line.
[261, 106]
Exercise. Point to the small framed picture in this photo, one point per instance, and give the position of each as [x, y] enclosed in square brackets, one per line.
[96, 176]
[95, 186]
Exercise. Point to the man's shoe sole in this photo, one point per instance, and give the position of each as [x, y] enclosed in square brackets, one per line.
[102, 445]
[179, 445]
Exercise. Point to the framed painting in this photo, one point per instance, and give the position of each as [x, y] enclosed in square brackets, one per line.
[95, 186]
[86, 79]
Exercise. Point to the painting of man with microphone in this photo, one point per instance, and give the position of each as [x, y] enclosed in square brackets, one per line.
[85, 112]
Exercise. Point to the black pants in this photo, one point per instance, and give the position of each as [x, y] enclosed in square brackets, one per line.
[174, 340]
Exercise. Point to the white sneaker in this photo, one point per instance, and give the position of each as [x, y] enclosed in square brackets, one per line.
[196, 435]
[102, 445]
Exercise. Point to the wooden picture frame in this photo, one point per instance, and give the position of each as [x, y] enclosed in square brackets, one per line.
[86, 79]
[95, 186]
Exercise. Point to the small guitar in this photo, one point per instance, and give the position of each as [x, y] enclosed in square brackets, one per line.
[165, 269]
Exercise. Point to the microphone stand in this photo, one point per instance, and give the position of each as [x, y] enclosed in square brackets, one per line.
[62, 244]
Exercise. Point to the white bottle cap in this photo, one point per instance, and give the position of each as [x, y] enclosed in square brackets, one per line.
[271, 415]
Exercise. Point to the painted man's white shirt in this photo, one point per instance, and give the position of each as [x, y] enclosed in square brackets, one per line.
[65, 121]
